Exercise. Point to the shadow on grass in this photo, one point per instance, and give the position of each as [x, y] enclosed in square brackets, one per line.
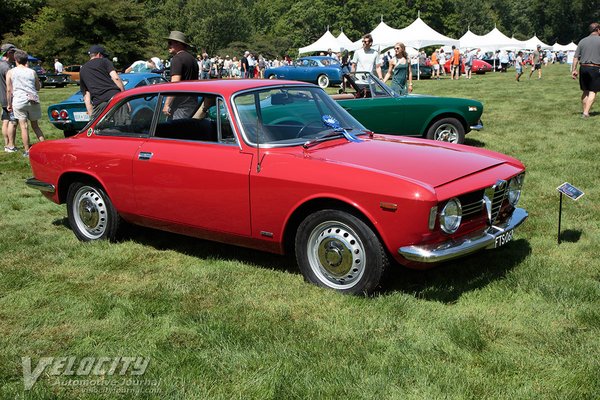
[444, 283]
[206, 249]
[474, 142]
[570, 235]
[448, 281]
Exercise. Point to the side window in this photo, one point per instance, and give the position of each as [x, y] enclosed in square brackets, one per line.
[198, 117]
[224, 123]
[132, 117]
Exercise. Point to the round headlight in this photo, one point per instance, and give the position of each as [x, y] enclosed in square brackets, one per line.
[451, 215]
[514, 189]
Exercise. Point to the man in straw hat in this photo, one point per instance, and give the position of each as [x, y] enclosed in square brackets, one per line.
[184, 67]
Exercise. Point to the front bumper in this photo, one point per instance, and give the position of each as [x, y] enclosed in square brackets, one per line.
[462, 246]
[477, 127]
[41, 186]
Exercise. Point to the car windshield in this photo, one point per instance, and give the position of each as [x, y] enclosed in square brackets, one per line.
[289, 116]
[366, 85]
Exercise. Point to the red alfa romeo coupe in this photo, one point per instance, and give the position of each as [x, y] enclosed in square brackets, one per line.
[279, 166]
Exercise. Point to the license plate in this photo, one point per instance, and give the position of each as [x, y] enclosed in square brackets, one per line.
[81, 116]
[504, 238]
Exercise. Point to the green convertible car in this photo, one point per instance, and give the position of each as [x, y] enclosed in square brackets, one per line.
[381, 110]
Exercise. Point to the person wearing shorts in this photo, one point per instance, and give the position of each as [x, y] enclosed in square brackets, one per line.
[519, 65]
[9, 123]
[536, 62]
[435, 64]
[22, 86]
[587, 56]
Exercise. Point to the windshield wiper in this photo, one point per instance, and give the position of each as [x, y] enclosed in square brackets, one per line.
[337, 130]
[328, 136]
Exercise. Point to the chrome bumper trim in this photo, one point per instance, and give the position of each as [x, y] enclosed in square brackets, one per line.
[462, 246]
[477, 127]
[39, 185]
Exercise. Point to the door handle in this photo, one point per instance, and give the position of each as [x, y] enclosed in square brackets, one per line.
[145, 155]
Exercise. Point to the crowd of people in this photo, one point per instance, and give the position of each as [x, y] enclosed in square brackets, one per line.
[100, 81]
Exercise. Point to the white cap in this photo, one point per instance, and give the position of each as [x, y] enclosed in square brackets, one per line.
[157, 62]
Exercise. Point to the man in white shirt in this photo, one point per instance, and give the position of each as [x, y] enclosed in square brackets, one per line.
[58, 67]
[367, 59]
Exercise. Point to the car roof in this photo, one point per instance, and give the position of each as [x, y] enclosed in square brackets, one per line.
[317, 58]
[226, 87]
[134, 78]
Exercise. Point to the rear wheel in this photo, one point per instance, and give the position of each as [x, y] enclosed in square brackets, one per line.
[272, 76]
[447, 130]
[69, 133]
[92, 215]
[337, 250]
[323, 81]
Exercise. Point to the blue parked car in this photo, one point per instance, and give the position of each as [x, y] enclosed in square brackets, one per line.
[71, 116]
[322, 70]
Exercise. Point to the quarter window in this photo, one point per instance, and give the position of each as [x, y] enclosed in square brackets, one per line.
[132, 117]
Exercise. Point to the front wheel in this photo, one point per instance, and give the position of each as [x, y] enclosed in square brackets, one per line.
[447, 130]
[337, 250]
[92, 215]
[323, 81]
[272, 76]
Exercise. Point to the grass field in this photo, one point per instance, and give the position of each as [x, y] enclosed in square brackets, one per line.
[220, 322]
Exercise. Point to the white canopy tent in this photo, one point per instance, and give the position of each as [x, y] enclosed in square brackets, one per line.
[324, 43]
[469, 40]
[419, 35]
[564, 47]
[532, 44]
[383, 35]
[495, 40]
[516, 44]
[344, 42]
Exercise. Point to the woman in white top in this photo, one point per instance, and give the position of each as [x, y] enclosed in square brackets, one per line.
[22, 86]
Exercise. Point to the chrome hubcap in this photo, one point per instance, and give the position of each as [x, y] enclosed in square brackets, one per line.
[446, 133]
[336, 255]
[90, 212]
[323, 81]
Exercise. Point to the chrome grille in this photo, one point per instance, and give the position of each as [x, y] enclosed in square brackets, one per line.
[490, 199]
[493, 198]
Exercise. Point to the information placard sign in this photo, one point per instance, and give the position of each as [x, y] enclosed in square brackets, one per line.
[570, 191]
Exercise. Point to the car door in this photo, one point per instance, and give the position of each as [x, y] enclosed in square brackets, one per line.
[191, 171]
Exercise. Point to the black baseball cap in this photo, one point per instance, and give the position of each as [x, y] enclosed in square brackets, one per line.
[97, 49]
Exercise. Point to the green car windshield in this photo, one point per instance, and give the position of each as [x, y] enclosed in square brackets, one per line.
[289, 116]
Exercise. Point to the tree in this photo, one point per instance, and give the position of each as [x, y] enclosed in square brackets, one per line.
[67, 29]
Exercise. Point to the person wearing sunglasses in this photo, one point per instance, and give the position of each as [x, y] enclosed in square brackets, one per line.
[366, 59]
[400, 71]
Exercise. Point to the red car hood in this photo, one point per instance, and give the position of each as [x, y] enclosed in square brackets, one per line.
[429, 162]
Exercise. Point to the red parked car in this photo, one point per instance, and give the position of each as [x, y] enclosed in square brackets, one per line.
[281, 167]
[479, 67]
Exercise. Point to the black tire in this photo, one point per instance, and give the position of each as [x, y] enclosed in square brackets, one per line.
[323, 81]
[447, 130]
[92, 215]
[336, 250]
[69, 133]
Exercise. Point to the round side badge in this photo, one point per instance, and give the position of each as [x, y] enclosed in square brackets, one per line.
[89, 132]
